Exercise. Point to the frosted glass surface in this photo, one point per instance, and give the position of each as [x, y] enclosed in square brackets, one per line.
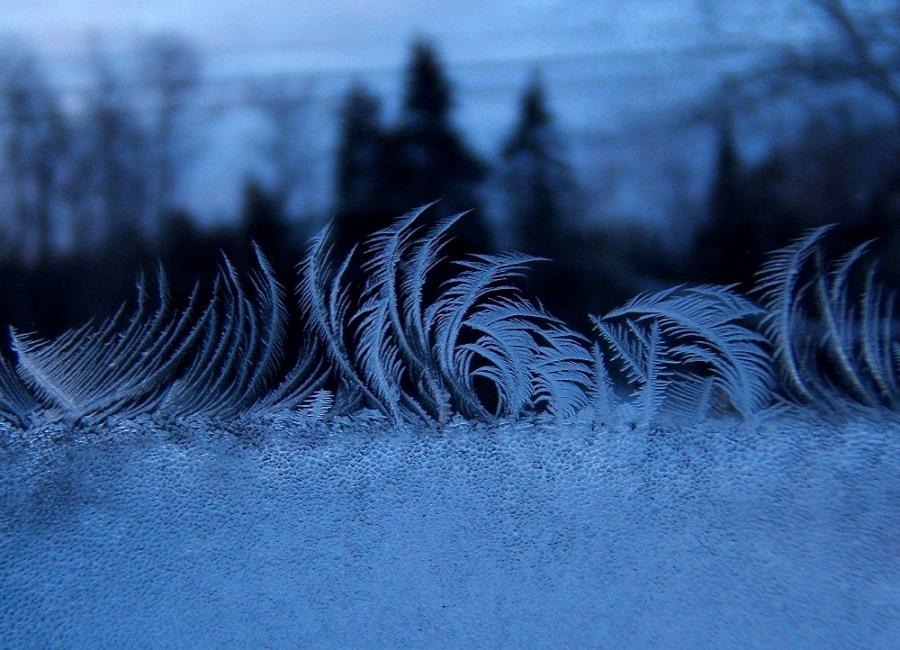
[780, 533]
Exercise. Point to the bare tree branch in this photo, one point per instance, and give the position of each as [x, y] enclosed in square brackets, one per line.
[877, 74]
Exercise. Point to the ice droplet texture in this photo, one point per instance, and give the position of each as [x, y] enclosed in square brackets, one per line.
[334, 535]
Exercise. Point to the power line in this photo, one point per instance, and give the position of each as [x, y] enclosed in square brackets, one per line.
[618, 55]
[238, 90]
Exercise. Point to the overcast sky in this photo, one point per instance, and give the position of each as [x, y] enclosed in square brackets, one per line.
[352, 33]
[610, 64]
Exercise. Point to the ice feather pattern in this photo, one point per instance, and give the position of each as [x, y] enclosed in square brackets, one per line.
[777, 286]
[16, 403]
[479, 348]
[706, 328]
[119, 367]
[840, 314]
[414, 361]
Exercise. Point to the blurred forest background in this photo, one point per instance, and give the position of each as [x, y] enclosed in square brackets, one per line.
[98, 177]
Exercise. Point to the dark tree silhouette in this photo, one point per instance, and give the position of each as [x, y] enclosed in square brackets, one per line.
[834, 172]
[428, 90]
[262, 217]
[264, 221]
[725, 247]
[358, 201]
[113, 167]
[170, 72]
[537, 180]
[425, 158]
[35, 142]
[728, 212]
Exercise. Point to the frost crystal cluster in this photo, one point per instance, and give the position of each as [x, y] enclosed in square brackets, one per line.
[447, 464]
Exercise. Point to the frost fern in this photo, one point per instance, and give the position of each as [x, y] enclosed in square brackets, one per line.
[479, 349]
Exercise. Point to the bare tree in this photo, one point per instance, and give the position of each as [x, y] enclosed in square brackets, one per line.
[858, 42]
[868, 47]
[112, 169]
[285, 104]
[169, 75]
[34, 137]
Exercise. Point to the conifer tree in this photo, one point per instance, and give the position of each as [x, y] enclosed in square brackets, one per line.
[262, 218]
[722, 246]
[748, 212]
[359, 207]
[536, 177]
[425, 158]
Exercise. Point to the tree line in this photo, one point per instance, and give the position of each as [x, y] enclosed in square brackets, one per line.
[91, 193]
[94, 193]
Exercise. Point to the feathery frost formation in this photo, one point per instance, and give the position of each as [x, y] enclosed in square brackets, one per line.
[775, 527]
[473, 346]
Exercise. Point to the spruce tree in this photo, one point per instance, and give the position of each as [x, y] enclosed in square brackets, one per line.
[359, 205]
[747, 213]
[536, 177]
[263, 220]
[724, 245]
[427, 97]
[425, 158]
